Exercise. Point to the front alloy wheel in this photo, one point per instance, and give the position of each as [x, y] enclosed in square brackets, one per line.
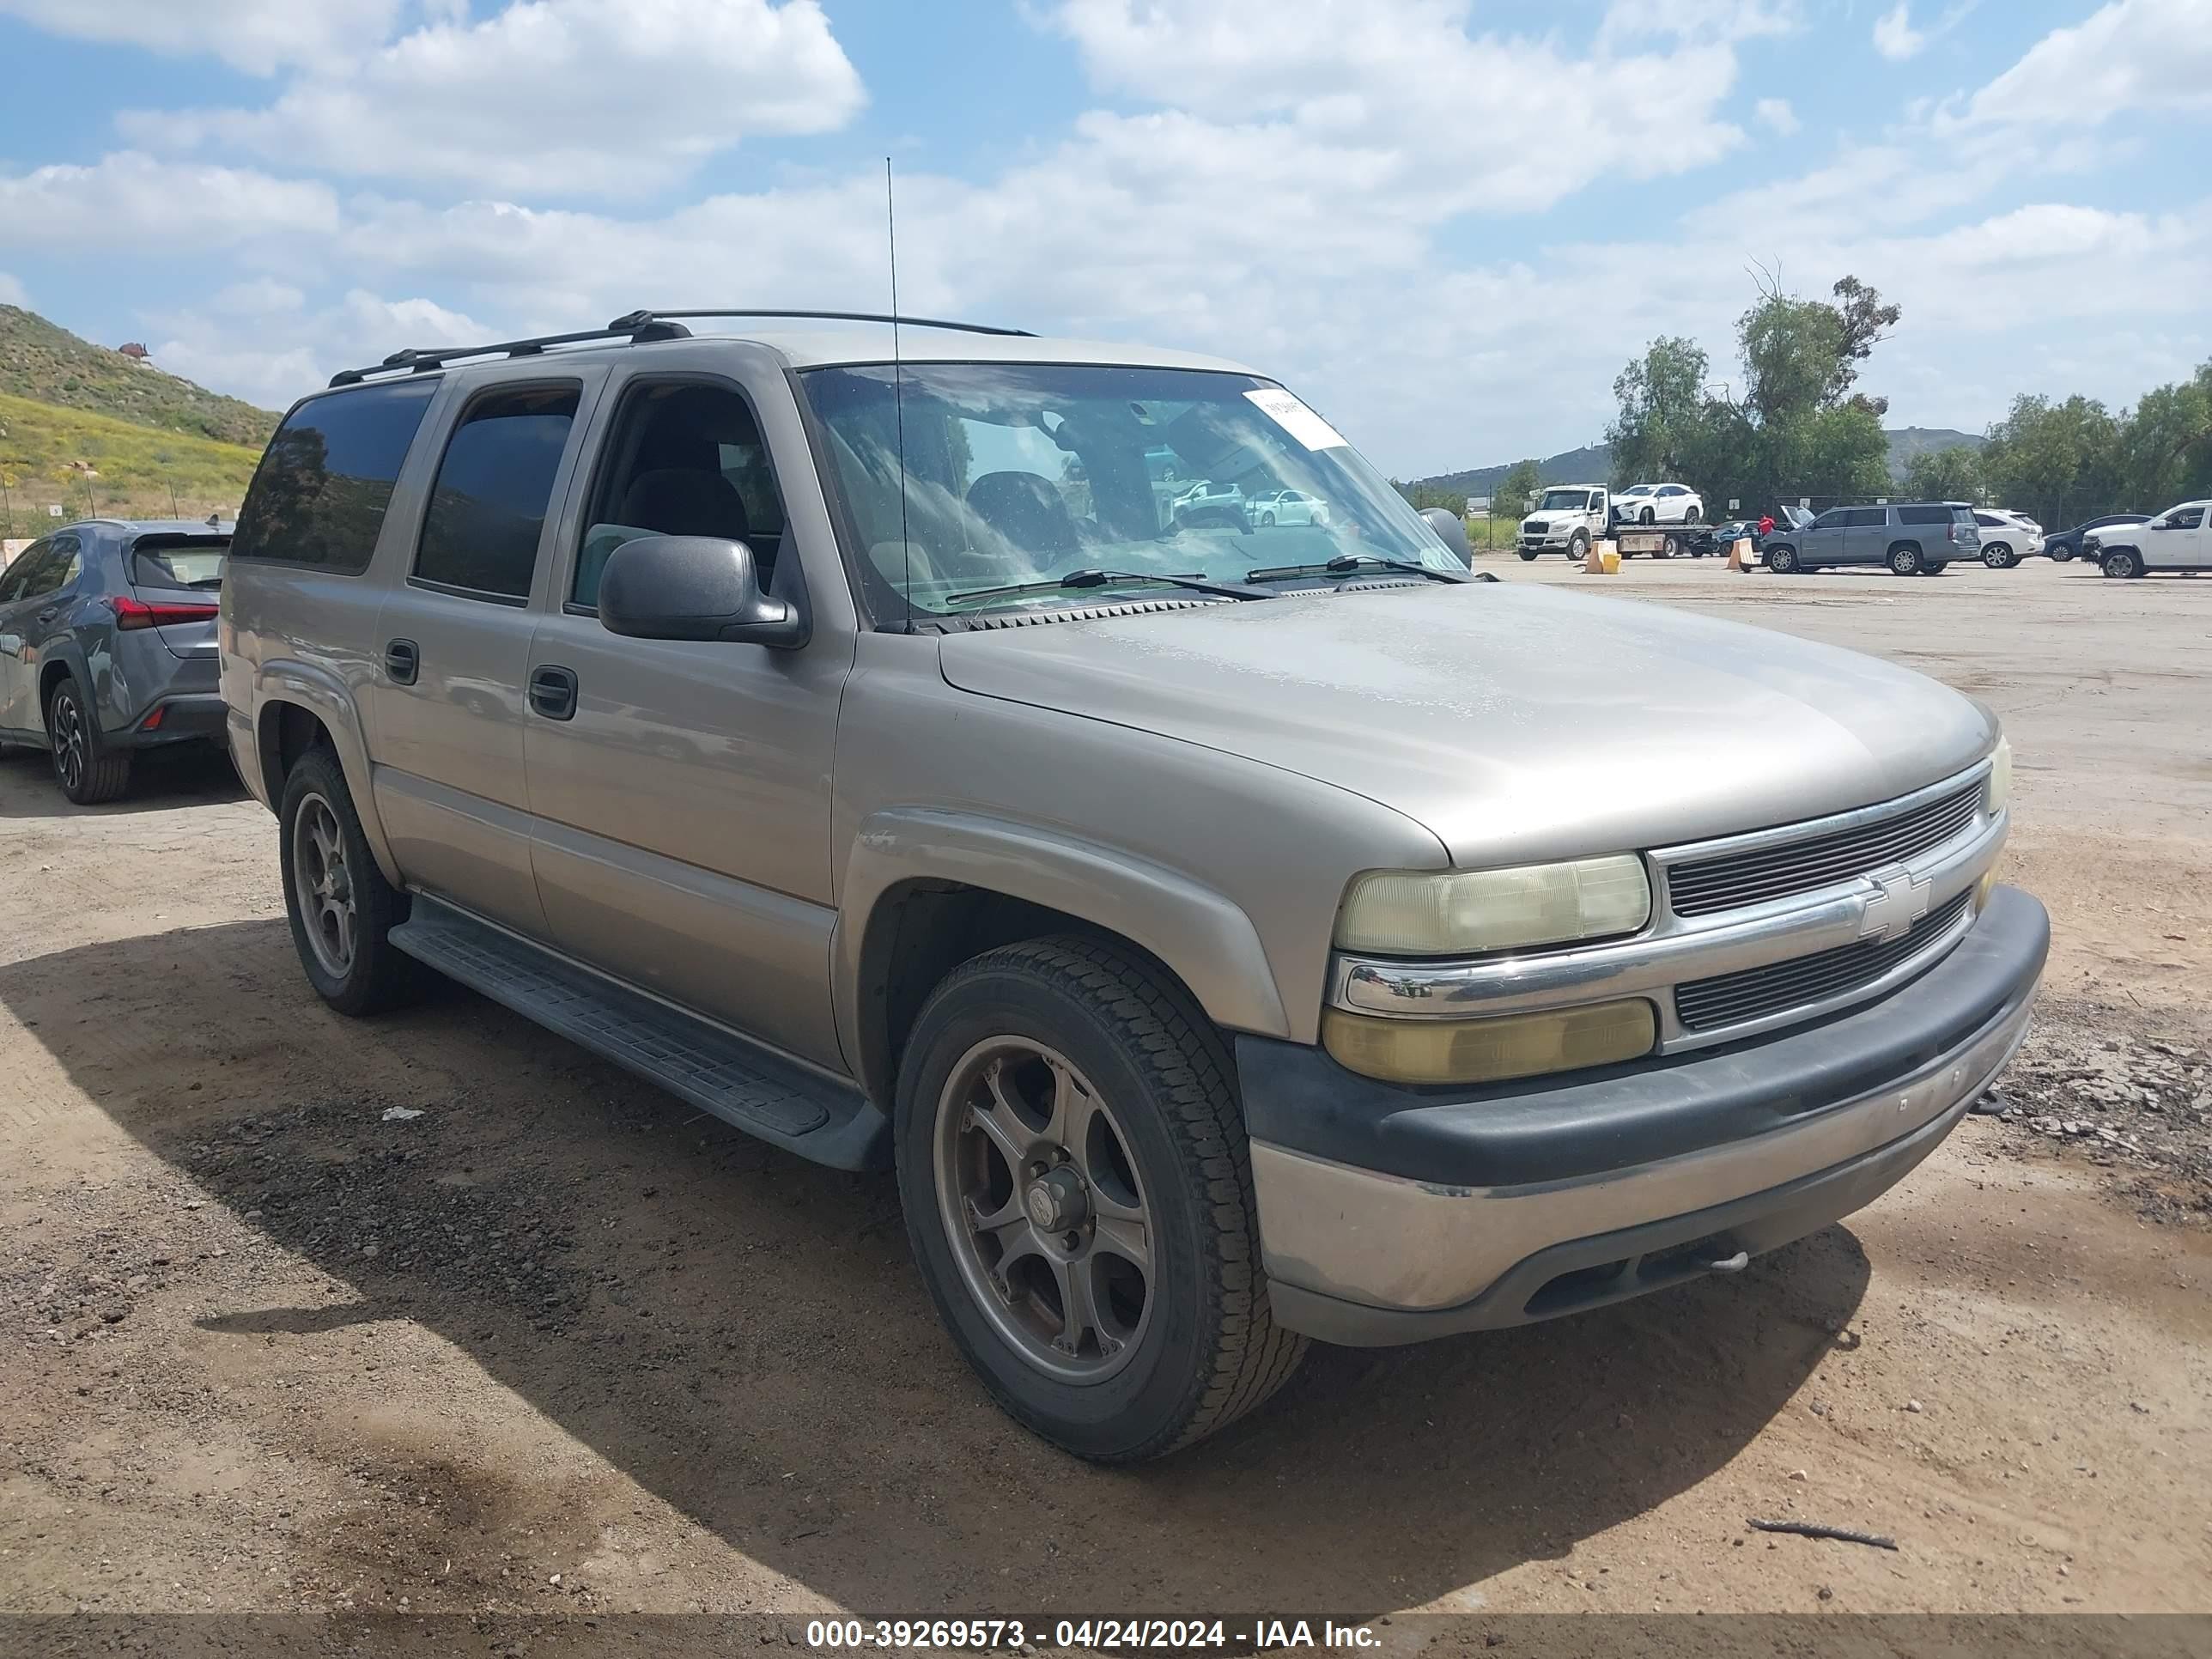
[1037, 1187]
[2123, 561]
[1781, 561]
[1077, 1181]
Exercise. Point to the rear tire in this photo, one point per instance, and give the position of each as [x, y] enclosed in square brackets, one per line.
[1077, 1038]
[342, 910]
[1998, 556]
[89, 773]
[1905, 559]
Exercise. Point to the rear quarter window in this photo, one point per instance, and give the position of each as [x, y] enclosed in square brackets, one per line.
[318, 496]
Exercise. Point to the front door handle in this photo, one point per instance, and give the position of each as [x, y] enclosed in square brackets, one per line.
[402, 661]
[553, 692]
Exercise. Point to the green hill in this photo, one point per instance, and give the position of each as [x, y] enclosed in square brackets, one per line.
[87, 464]
[50, 365]
[89, 430]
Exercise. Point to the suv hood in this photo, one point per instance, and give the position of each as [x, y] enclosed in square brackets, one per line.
[1516, 722]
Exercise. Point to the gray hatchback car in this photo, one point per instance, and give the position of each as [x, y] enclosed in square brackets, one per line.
[1914, 538]
[107, 646]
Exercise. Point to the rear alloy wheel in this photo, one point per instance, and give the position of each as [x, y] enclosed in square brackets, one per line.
[89, 773]
[1781, 561]
[2123, 561]
[1998, 556]
[1076, 1181]
[1905, 559]
[341, 908]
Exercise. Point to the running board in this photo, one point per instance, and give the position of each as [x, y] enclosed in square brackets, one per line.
[714, 1069]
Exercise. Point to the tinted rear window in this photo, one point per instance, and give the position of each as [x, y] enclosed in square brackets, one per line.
[319, 493]
[1927, 515]
[187, 562]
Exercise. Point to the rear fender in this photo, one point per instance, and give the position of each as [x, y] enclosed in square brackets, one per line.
[324, 695]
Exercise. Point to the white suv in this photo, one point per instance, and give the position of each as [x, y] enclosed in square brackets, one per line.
[1666, 503]
[2007, 536]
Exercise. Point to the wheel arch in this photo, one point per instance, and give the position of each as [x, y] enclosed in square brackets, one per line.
[926, 890]
[299, 708]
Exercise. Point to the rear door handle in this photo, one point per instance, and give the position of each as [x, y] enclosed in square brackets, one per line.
[553, 692]
[402, 661]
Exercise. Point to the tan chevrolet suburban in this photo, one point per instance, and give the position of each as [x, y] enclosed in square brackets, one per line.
[1232, 934]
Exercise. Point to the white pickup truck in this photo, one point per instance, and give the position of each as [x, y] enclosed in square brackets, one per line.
[1566, 519]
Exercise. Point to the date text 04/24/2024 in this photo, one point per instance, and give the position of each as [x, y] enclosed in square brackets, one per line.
[1104, 1634]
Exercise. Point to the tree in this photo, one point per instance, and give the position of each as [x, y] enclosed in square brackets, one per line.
[1662, 412]
[1945, 475]
[1510, 495]
[2164, 452]
[2059, 463]
[1800, 427]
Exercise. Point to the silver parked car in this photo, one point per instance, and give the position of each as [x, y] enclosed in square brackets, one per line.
[1914, 538]
[1223, 954]
[107, 646]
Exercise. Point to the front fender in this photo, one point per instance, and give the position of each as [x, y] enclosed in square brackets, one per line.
[287, 680]
[1204, 937]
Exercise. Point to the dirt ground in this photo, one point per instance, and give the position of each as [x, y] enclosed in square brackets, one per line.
[558, 1343]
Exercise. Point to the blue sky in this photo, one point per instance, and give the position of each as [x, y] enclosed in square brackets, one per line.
[1446, 222]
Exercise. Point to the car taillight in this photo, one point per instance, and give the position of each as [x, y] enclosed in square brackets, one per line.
[137, 613]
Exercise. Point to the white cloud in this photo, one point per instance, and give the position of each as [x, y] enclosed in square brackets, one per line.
[1716, 20]
[1895, 38]
[292, 351]
[2148, 55]
[257, 36]
[1397, 93]
[1776, 115]
[129, 198]
[561, 97]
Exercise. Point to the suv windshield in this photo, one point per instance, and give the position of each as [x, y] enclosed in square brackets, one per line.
[1564, 500]
[1027, 472]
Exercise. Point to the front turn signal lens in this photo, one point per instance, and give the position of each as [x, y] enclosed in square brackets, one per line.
[1998, 790]
[1489, 1050]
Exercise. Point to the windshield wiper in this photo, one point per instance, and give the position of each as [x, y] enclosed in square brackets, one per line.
[1345, 563]
[1081, 579]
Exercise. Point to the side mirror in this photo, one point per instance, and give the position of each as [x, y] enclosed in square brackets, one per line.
[1452, 529]
[694, 587]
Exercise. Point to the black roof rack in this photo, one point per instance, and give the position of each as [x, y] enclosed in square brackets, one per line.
[635, 327]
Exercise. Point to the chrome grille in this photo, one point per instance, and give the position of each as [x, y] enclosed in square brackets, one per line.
[1729, 881]
[1706, 1005]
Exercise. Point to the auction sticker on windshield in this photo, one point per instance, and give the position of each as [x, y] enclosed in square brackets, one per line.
[1295, 418]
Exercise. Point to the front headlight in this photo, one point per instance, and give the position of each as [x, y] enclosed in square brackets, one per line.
[1998, 790]
[1461, 912]
[1489, 1050]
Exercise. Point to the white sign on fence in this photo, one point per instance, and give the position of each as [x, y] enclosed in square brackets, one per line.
[1881, 501]
[1805, 501]
[1733, 504]
[53, 510]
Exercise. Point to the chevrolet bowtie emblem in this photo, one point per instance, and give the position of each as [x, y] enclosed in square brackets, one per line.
[1900, 902]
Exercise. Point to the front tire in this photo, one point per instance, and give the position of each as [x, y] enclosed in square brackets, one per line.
[1781, 561]
[1578, 548]
[1905, 559]
[1528, 555]
[342, 910]
[89, 772]
[1076, 1181]
[2123, 561]
[1647, 516]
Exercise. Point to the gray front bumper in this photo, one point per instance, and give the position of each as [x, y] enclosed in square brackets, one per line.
[1369, 1256]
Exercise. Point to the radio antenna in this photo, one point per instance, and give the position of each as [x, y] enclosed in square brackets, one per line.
[898, 398]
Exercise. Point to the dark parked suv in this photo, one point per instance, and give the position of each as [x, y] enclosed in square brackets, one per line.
[107, 646]
[1917, 538]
